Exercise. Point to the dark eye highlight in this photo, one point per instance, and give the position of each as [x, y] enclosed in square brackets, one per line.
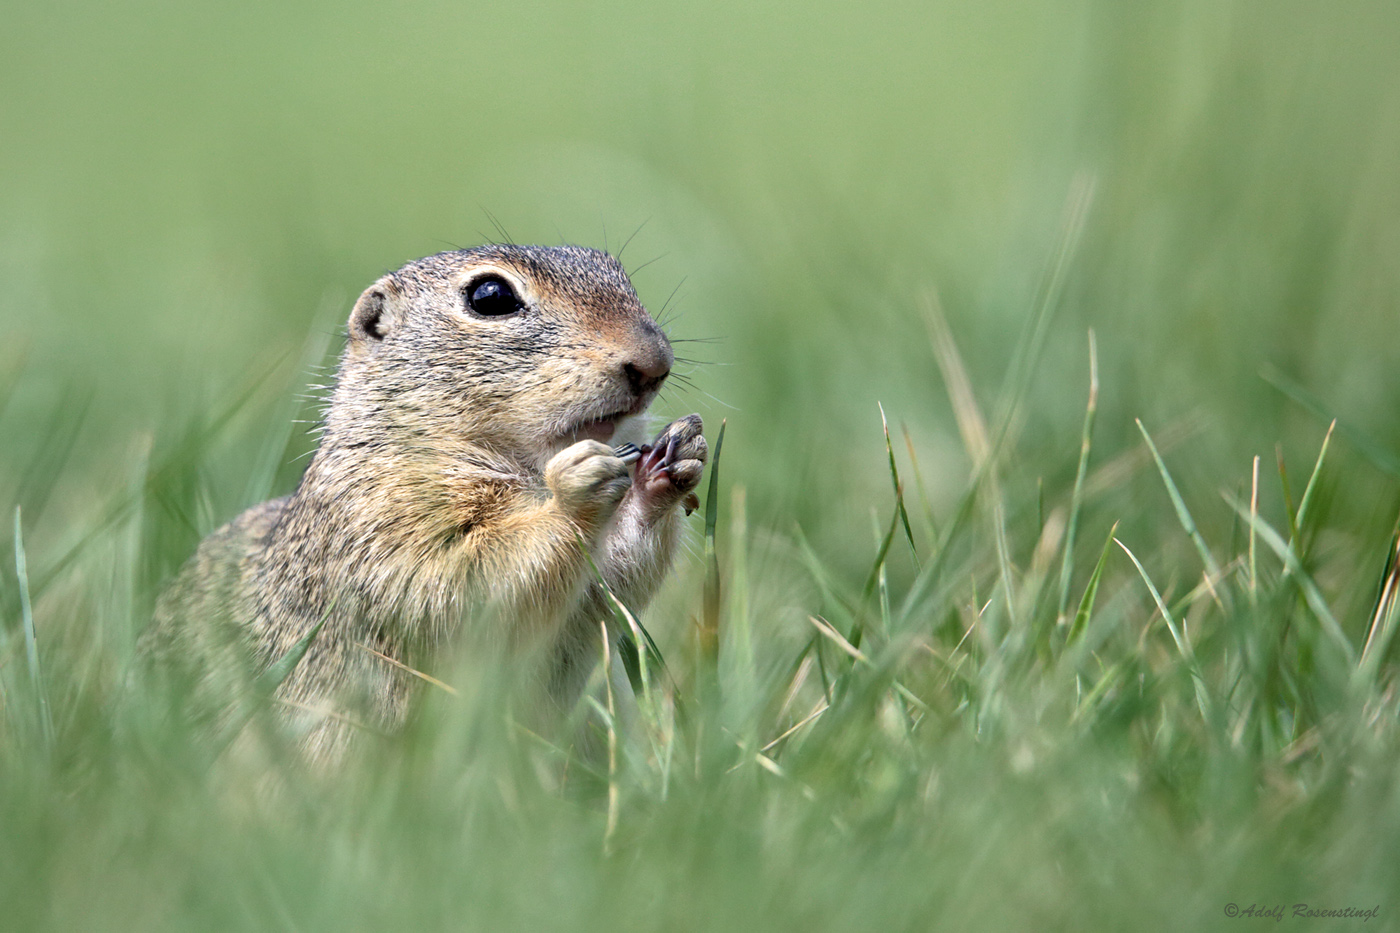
[492, 296]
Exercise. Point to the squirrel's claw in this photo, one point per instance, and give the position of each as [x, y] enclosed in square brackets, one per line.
[670, 467]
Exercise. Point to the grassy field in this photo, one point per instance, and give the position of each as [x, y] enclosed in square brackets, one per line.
[1099, 636]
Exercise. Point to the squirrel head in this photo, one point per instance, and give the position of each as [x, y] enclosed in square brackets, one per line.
[520, 350]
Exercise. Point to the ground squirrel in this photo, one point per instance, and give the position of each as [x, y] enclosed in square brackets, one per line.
[462, 460]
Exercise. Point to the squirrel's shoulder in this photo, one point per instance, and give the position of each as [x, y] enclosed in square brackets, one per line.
[213, 579]
[241, 539]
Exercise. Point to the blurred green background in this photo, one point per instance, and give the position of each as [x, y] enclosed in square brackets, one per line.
[188, 190]
[192, 196]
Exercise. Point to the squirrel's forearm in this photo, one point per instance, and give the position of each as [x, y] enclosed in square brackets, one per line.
[528, 562]
[635, 554]
[632, 558]
[637, 550]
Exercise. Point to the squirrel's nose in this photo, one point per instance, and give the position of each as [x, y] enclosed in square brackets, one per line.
[650, 363]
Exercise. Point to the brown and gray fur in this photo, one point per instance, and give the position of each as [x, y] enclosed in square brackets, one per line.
[448, 494]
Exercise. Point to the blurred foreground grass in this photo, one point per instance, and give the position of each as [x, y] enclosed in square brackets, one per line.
[923, 719]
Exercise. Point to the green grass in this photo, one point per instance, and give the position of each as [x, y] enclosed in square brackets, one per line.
[1035, 591]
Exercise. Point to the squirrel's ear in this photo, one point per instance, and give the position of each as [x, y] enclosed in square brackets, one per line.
[372, 318]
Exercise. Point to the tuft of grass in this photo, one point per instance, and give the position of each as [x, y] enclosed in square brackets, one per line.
[974, 741]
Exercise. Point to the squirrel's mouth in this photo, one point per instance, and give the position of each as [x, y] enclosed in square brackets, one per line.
[600, 429]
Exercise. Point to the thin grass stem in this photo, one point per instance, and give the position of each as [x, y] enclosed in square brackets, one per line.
[31, 643]
[1183, 514]
[1076, 502]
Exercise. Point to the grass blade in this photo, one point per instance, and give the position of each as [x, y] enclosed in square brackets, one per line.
[831, 634]
[311, 367]
[1253, 556]
[836, 602]
[919, 481]
[282, 668]
[1182, 512]
[1076, 501]
[709, 621]
[1106, 681]
[612, 742]
[898, 487]
[158, 476]
[740, 633]
[1294, 567]
[873, 579]
[929, 578]
[43, 472]
[1086, 602]
[1178, 635]
[412, 671]
[269, 680]
[973, 428]
[1287, 489]
[1383, 619]
[31, 644]
[1026, 355]
[1381, 458]
[1312, 480]
[836, 638]
[640, 652]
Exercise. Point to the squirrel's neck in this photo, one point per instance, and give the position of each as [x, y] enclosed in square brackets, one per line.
[367, 422]
[403, 495]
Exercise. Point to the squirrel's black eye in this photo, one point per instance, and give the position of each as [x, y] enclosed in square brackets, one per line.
[492, 297]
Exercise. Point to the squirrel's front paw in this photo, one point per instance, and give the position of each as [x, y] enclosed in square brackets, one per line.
[587, 480]
[671, 465]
